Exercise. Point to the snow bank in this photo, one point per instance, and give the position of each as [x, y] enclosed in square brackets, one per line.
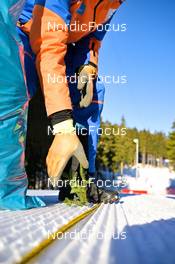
[154, 180]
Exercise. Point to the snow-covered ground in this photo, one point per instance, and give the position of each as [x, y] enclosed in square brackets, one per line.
[153, 180]
[20, 231]
[139, 229]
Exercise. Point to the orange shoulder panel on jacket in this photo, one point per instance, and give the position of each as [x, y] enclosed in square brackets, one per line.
[116, 4]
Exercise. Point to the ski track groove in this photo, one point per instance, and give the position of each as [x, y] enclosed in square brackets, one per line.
[149, 223]
[145, 219]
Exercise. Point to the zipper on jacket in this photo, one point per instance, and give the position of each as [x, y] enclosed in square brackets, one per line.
[95, 11]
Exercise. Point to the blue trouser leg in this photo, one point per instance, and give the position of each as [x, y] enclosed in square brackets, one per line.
[89, 117]
[13, 115]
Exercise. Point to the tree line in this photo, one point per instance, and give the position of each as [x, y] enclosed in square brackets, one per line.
[117, 148]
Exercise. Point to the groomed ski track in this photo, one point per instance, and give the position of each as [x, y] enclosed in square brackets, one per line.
[138, 229]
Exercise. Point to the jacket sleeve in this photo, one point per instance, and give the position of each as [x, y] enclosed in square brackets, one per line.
[48, 38]
[95, 42]
[98, 35]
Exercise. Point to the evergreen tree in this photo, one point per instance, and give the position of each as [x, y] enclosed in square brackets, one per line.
[171, 146]
[116, 149]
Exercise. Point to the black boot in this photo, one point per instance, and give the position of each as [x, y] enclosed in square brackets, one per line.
[65, 192]
[92, 193]
[108, 197]
[100, 195]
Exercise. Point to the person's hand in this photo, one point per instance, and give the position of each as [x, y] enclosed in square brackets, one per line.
[64, 146]
[86, 75]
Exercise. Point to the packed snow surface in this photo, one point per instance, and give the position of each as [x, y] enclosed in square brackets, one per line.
[139, 229]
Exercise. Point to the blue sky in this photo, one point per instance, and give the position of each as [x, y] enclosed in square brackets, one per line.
[146, 54]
